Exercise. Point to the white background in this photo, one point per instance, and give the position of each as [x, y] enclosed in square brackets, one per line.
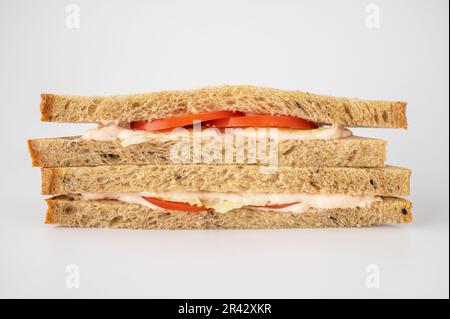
[138, 46]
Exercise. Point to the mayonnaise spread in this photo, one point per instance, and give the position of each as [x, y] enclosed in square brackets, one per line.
[122, 132]
[225, 202]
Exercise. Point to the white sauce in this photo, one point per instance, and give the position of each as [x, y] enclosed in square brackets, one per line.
[121, 131]
[236, 200]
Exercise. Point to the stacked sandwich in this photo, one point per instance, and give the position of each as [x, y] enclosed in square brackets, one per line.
[221, 157]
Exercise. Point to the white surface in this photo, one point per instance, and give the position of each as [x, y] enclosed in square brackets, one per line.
[133, 46]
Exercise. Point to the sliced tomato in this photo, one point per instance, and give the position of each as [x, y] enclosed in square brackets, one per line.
[263, 121]
[281, 205]
[175, 205]
[278, 206]
[181, 121]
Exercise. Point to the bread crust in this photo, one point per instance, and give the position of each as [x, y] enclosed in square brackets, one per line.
[46, 106]
[386, 181]
[35, 154]
[74, 151]
[114, 214]
[248, 99]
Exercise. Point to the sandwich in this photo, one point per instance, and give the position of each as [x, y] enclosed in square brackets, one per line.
[219, 158]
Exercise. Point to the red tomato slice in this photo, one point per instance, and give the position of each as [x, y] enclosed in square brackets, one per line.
[181, 121]
[175, 205]
[280, 205]
[277, 206]
[263, 121]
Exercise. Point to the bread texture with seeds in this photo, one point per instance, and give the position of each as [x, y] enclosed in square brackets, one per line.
[67, 212]
[247, 99]
[385, 181]
[74, 151]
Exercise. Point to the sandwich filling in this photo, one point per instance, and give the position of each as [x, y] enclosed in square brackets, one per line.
[214, 124]
[226, 202]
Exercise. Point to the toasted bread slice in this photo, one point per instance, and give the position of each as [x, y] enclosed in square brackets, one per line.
[248, 99]
[74, 151]
[64, 211]
[385, 181]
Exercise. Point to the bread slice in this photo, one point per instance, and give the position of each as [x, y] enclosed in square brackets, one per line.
[64, 211]
[386, 181]
[248, 99]
[74, 151]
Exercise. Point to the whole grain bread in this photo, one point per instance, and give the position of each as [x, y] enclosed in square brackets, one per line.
[74, 151]
[64, 211]
[385, 181]
[248, 99]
